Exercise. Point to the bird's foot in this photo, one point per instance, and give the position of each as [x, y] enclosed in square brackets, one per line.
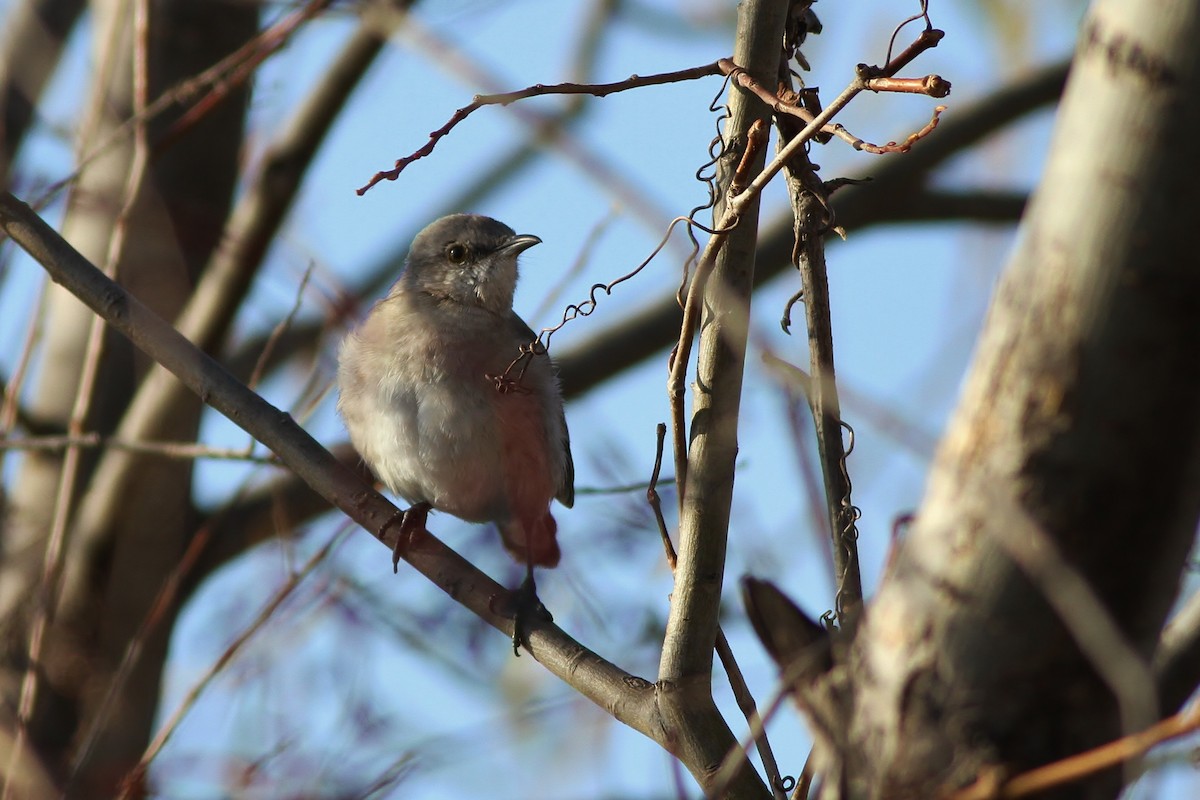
[412, 521]
[527, 607]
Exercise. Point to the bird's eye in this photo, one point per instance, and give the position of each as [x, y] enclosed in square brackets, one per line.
[456, 253]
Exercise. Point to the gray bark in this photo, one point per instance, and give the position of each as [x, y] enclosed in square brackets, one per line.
[1016, 623]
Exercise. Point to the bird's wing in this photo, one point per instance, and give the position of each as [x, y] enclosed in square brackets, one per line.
[566, 487]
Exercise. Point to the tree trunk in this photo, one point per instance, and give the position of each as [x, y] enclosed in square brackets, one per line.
[1016, 622]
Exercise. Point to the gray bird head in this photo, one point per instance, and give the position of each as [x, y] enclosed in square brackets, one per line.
[467, 259]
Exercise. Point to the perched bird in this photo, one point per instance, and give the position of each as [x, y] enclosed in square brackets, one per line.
[452, 404]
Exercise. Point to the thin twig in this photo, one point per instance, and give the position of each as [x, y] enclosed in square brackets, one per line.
[180, 450]
[10, 410]
[505, 98]
[926, 40]
[930, 85]
[681, 355]
[890, 147]
[278, 331]
[655, 501]
[1073, 768]
[813, 217]
[618, 489]
[597, 166]
[804, 782]
[730, 764]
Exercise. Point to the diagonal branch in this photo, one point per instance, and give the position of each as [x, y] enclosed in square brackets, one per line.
[630, 699]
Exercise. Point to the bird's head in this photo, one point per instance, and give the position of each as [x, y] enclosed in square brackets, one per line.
[467, 259]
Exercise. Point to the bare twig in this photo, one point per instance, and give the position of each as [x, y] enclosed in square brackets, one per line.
[181, 450]
[730, 764]
[655, 501]
[680, 357]
[280, 328]
[504, 98]
[926, 40]
[10, 410]
[930, 85]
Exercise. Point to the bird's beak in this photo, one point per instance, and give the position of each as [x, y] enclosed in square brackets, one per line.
[519, 243]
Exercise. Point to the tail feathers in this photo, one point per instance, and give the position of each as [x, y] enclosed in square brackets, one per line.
[537, 547]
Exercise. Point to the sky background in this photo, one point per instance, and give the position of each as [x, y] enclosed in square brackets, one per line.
[362, 669]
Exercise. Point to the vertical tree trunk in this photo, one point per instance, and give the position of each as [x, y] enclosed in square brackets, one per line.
[1017, 620]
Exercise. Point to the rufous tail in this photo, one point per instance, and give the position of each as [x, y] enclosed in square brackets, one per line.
[538, 547]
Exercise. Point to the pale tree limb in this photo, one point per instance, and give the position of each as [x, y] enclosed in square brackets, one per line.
[706, 482]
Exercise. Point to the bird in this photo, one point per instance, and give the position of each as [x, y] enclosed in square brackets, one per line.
[452, 402]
